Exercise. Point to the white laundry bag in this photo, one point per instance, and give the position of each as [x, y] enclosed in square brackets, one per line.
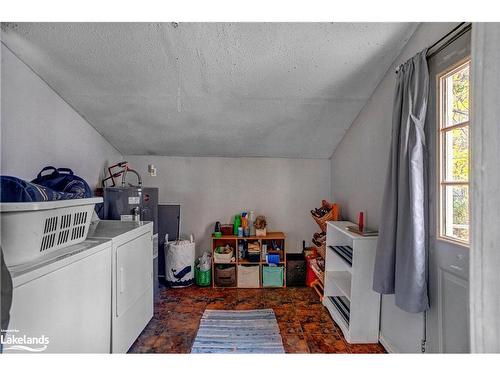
[179, 262]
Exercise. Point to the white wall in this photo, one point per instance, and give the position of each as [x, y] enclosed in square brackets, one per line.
[359, 167]
[215, 189]
[38, 128]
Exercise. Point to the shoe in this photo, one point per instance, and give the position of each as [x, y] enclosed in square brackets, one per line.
[320, 212]
[321, 263]
[321, 239]
[326, 204]
[315, 212]
[318, 243]
[318, 235]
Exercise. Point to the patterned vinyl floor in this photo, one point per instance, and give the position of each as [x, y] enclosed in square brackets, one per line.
[305, 324]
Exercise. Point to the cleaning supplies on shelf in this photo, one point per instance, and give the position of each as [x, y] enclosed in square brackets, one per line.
[251, 219]
[217, 230]
[236, 224]
[244, 224]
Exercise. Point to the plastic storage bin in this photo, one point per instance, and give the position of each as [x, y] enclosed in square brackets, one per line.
[225, 276]
[202, 278]
[32, 229]
[223, 258]
[248, 276]
[272, 276]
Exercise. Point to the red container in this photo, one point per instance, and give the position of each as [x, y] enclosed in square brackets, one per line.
[310, 275]
[226, 229]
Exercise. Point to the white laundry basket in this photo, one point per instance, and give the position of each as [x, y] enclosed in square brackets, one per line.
[31, 229]
[179, 262]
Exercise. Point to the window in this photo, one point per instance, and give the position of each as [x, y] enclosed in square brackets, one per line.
[454, 151]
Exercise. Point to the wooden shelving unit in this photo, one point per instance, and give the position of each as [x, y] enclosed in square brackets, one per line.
[233, 242]
[348, 293]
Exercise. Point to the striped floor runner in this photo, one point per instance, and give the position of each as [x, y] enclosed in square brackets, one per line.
[238, 331]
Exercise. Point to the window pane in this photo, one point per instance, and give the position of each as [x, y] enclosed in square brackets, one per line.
[456, 211]
[456, 154]
[457, 97]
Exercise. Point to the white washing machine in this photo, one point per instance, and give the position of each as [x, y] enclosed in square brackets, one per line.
[131, 279]
[61, 302]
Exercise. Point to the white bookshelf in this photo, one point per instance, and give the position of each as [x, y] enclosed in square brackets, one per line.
[353, 283]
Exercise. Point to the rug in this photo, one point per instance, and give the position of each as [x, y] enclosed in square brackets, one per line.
[238, 331]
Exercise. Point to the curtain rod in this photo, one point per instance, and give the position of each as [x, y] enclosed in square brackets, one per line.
[454, 34]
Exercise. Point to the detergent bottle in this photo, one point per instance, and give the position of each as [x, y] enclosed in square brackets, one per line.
[251, 219]
[237, 223]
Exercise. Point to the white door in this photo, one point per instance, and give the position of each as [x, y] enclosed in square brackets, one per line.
[133, 271]
[132, 291]
[447, 321]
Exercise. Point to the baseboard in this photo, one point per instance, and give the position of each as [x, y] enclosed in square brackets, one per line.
[386, 345]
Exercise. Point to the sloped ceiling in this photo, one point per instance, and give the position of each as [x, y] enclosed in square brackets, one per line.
[213, 89]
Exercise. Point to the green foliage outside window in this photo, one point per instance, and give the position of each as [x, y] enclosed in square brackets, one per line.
[459, 137]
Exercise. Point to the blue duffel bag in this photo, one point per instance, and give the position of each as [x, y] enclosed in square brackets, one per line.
[63, 180]
[14, 189]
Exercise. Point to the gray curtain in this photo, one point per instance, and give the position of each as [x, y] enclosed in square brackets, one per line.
[401, 260]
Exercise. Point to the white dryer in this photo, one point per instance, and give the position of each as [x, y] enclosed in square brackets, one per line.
[61, 302]
[132, 278]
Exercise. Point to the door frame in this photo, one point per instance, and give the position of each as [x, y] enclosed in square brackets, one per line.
[442, 249]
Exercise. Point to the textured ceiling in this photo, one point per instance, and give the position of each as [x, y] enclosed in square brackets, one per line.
[213, 89]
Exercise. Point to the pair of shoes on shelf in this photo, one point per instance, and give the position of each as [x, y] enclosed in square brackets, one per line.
[318, 242]
[318, 235]
[320, 212]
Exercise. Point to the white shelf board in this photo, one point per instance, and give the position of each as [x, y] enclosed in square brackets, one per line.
[342, 227]
[342, 279]
[337, 317]
[339, 262]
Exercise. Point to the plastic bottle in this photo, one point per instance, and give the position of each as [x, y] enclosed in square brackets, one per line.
[237, 223]
[251, 219]
[244, 224]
